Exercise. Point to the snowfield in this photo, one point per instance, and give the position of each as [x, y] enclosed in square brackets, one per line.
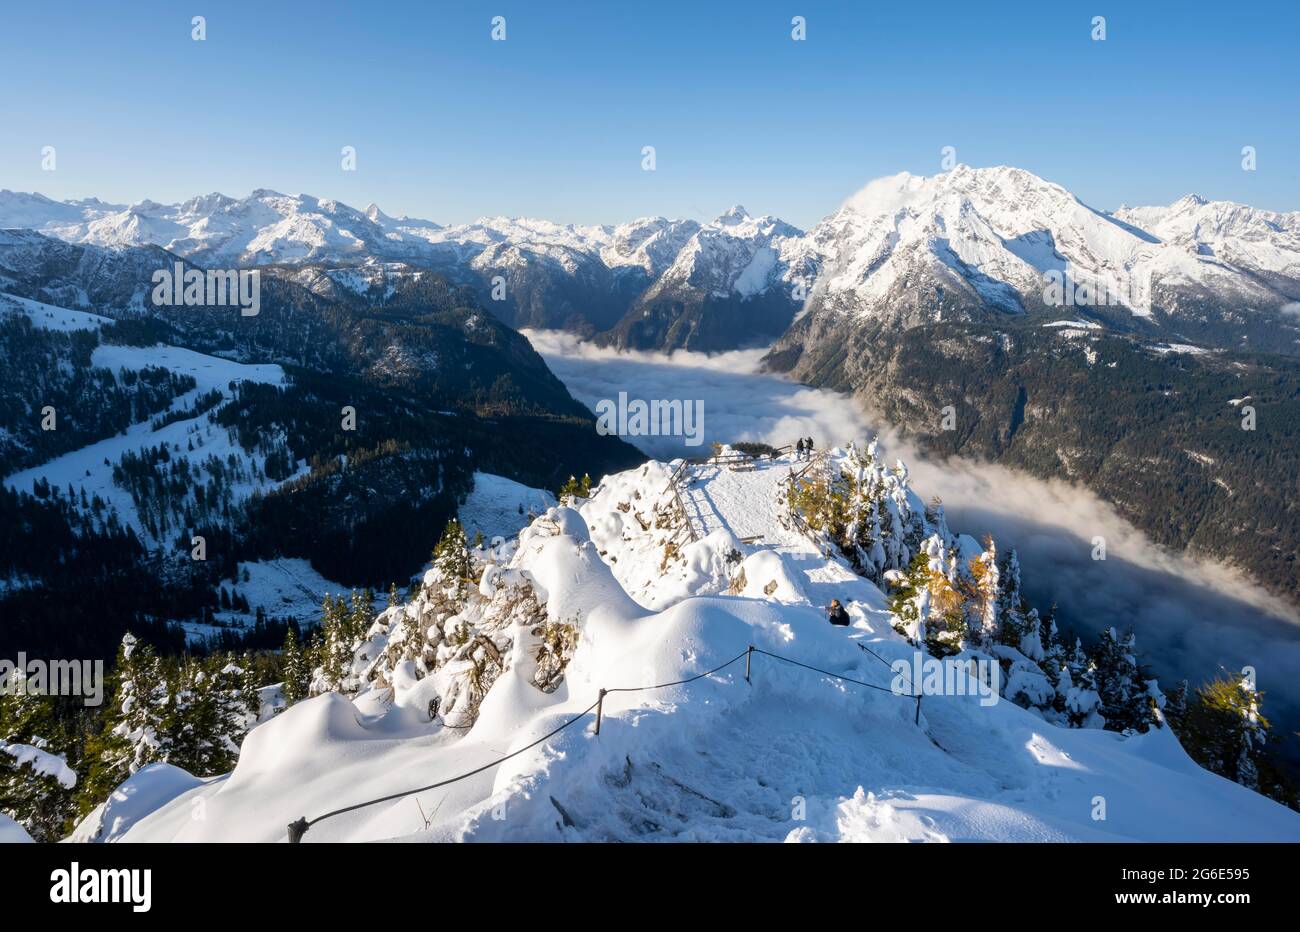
[90, 468]
[790, 755]
[499, 507]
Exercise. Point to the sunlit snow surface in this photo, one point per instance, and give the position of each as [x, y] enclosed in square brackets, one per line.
[793, 755]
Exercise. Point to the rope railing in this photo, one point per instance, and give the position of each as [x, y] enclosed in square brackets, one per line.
[297, 829]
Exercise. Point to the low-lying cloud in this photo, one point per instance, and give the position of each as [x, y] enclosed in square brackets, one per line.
[1191, 617]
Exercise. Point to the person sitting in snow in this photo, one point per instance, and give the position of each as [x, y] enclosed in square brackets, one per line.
[838, 616]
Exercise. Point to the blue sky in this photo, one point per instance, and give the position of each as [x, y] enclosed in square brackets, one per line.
[450, 125]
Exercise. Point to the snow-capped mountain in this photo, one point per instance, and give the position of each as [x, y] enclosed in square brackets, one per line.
[1262, 241]
[585, 278]
[905, 250]
[915, 249]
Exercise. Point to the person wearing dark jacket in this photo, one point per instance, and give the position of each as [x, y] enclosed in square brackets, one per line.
[838, 616]
[798, 449]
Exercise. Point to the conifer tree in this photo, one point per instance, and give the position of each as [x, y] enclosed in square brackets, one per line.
[984, 596]
[36, 783]
[204, 716]
[1016, 627]
[1175, 710]
[931, 605]
[141, 704]
[1077, 688]
[1125, 700]
[1225, 730]
[451, 558]
[249, 689]
[297, 667]
[575, 490]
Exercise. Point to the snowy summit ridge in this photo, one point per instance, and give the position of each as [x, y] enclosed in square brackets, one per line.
[621, 590]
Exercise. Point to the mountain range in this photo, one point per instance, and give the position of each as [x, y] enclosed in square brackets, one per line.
[970, 242]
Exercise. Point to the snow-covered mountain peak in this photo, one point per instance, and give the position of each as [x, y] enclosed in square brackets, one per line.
[737, 214]
[992, 237]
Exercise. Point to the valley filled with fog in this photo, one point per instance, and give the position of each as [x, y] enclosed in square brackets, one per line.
[1191, 617]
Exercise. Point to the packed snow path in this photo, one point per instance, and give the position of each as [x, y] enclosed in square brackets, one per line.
[744, 504]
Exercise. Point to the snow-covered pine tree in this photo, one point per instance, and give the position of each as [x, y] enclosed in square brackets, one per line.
[250, 693]
[1175, 710]
[930, 605]
[194, 729]
[451, 558]
[1078, 690]
[227, 679]
[1126, 703]
[141, 703]
[1054, 653]
[984, 596]
[36, 783]
[296, 667]
[335, 646]
[1015, 628]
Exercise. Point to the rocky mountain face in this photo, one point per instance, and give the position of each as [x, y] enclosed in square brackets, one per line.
[967, 244]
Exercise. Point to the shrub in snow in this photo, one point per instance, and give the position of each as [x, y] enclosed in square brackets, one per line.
[455, 637]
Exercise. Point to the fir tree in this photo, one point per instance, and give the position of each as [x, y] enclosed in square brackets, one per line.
[1077, 688]
[451, 558]
[297, 667]
[249, 691]
[1125, 699]
[140, 706]
[335, 645]
[1175, 710]
[575, 490]
[205, 716]
[984, 596]
[36, 783]
[1225, 730]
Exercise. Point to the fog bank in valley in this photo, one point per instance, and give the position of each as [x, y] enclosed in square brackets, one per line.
[1192, 617]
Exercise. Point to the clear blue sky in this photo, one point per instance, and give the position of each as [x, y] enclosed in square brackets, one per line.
[450, 125]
